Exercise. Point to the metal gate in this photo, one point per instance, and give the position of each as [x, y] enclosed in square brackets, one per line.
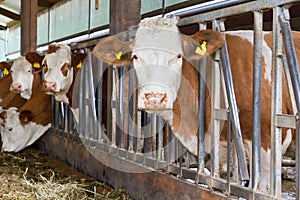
[146, 139]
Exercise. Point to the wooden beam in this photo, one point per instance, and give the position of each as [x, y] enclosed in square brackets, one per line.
[29, 11]
[9, 14]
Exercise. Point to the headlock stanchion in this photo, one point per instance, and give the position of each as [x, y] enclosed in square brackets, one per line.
[132, 139]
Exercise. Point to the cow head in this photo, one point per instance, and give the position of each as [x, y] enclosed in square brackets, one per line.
[23, 71]
[18, 130]
[60, 66]
[157, 54]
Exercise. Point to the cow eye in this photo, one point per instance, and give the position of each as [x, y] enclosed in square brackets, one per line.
[179, 56]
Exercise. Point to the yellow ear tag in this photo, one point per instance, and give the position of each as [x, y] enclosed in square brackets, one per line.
[79, 65]
[36, 65]
[4, 118]
[25, 120]
[5, 71]
[202, 49]
[118, 55]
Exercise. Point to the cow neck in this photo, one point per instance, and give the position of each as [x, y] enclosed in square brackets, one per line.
[70, 91]
[37, 82]
[185, 108]
[39, 106]
[5, 84]
[12, 100]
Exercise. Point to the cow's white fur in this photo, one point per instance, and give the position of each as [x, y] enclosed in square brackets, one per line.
[157, 45]
[21, 73]
[15, 136]
[54, 62]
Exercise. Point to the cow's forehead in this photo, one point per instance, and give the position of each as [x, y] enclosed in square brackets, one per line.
[21, 64]
[59, 57]
[158, 34]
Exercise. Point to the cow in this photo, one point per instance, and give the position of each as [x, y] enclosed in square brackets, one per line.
[31, 119]
[168, 82]
[6, 80]
[60, 67]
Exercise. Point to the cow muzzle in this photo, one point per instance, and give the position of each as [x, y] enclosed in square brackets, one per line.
[49, 86]
[155, 101]
[16, 87]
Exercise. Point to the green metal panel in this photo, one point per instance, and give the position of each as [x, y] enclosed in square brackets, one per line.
[173, 2]
[14, 40]
[42, 28]
[148, 6]
[100, 17]
[68, 19]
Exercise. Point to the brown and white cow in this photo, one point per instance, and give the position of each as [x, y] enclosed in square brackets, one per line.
[24, 124]
[5, 81]
[61, 67]
[168, 82]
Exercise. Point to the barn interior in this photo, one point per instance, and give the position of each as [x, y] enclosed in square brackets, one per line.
[97, 19]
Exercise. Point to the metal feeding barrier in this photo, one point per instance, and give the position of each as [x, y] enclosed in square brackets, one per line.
[146, 139]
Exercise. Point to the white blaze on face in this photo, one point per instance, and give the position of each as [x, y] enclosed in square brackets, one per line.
[15, 136]
[157, 59]
[55, 61]
[22, 77]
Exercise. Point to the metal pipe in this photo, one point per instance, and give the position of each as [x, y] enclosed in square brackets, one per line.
[99, 101]
[276, 105]
[131, 109]
[201, 111]
[120, 136]
[257, 97]
[291, 55]
[298, 155]
[237, 136]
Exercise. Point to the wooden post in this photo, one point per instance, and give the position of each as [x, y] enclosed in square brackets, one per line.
[28, 25]
[123, 14]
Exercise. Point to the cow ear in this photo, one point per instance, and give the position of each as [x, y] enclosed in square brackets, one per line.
[25, 116]
[201, 44]
[77, 59]
[35, 59]
[5, 67]
[3, 115]
[113, 51]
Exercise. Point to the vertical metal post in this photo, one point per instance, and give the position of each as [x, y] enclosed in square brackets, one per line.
[81, 104]
[257, 97]
[131, 109]
[290, 53]
[298, 155]
[215, 143]
[160, 124]
[120, 123]
[237, 136]
[229, 146]
[276, 105]
[99, 102]
[201, 110]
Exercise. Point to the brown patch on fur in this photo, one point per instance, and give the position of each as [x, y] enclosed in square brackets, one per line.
[52, 49]
[65, 69]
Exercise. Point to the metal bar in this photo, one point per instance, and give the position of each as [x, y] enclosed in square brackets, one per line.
[81, 104]
[201, 111]
[298, 156]
[257, 98]
[160, 124]
[120, 120]
[131, 109]
[229, 126]
[216, 130]
[99, 100]
[290, 53]
[237, 136]
[276, 105]
[233, 10]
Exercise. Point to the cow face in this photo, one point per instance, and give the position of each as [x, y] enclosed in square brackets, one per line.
[17, 135]
[157, 55]
[58, 75]
[23, 71]
[60, 66]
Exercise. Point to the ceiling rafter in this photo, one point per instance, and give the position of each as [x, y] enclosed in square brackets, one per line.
[9, 14]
